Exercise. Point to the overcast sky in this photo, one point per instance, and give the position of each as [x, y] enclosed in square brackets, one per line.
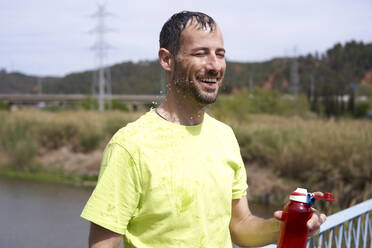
[47, 37]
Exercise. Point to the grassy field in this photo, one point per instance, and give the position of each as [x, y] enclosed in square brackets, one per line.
[280, 153]
[333, 156]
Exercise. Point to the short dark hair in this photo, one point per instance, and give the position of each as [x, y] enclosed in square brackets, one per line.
[171, 32]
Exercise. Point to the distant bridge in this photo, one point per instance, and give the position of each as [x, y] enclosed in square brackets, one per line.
[63, 99]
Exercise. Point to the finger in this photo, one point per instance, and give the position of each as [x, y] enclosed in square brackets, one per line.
[315, 221]
[321, 217]
[313, 227]
[318, 193]
[278, 214]
[313, 232]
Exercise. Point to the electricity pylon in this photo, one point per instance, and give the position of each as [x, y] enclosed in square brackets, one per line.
[101, 77]
[294, 76]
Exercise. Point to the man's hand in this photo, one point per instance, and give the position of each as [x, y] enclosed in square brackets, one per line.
[313, 224]
[316, 219]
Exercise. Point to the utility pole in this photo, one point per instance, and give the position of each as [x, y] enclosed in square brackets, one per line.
[294, 77]
[102, 77]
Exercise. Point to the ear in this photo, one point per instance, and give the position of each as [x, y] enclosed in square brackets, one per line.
[165, 59]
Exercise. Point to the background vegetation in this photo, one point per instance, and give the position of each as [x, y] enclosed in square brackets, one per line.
[26, 134]
[342, 70]
[288, 144]
[285, 140]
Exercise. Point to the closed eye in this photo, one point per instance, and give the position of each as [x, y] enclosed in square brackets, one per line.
[200, 54]
[220, 53]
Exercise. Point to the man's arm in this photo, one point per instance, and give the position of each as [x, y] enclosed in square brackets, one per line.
[100, 237]
[249, 230]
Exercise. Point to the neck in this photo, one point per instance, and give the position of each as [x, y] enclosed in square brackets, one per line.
[178, 110]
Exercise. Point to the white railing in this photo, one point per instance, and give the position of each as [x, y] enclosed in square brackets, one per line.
[348, 228]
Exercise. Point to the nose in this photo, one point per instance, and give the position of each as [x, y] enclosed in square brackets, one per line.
[214, 63]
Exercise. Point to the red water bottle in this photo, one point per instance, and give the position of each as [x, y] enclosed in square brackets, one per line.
[293, 232]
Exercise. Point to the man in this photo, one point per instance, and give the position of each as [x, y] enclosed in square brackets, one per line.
[175, 177]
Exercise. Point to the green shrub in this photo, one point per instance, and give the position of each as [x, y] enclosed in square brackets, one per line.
[259, 101]
[235, 107]
[89, 103]
[117, 105]
[89, 141]
[113, 124]
[4, 105]
[361, 110]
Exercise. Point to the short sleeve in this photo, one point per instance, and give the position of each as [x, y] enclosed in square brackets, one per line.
[240, 186]
[117, 193]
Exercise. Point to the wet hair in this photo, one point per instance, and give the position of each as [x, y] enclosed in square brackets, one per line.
[170, 34]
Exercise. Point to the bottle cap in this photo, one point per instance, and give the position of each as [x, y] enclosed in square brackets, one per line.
[327, 196]
[299, 195]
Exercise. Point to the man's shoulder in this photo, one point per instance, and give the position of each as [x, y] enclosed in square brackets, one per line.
[221, 126]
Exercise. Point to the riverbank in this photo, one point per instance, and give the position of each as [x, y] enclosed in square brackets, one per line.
[49, 177]
[280, 153]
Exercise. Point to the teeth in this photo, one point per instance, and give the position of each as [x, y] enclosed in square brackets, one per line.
[209, 80]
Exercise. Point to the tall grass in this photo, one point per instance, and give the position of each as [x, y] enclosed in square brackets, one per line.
[318, 154]
[259, 101]
[16, 140]
[25, 134]
[333, 156]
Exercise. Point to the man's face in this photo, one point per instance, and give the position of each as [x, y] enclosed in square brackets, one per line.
[199, 64]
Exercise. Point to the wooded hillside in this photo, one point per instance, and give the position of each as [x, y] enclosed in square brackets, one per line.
[336, 72]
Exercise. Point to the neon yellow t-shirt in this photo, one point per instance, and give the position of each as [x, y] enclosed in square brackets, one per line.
[166, 185]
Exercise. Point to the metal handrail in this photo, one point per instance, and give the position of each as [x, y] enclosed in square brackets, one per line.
[348, 228]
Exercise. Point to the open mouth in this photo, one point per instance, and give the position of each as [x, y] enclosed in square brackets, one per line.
[207, 80]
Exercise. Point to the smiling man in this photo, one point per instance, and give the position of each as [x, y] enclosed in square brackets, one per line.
[175, 177]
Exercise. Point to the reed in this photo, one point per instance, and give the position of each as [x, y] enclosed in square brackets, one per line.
[318, 154]
[323, 155]
[27, 133]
